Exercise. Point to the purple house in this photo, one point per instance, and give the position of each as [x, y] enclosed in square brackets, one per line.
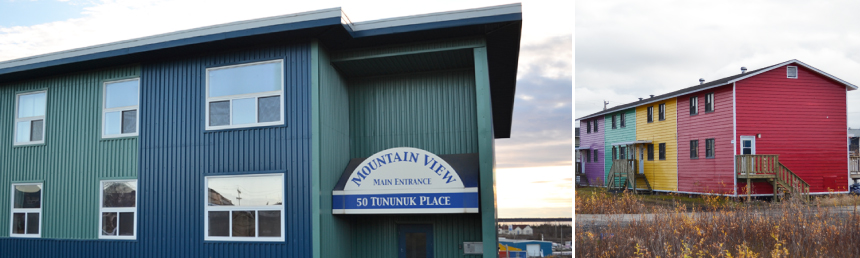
[590, 149]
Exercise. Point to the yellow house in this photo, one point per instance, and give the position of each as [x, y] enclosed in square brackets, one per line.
[657, 122]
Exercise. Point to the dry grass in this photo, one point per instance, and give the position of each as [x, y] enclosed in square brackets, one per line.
[729, 229]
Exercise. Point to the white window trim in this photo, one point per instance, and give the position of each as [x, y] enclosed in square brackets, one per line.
[257, 96]
[796, 72]
[120, 109]
[695, 101]
[43, 118]
[103, 209]
[13, 210]
[207, 209]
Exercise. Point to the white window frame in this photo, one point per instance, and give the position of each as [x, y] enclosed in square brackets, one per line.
[43, 118]
[256, 96]
[14, 210]
[103, 209]
[106, 110]
[709, 99]
[257, 238]
[796, 72]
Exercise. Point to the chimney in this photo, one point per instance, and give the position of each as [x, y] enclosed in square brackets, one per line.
[640, 99]
[743, 70]
[651, 96]
[605, 103]
[701, 80]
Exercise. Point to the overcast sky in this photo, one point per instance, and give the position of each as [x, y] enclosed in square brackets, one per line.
[533, 176]
[630, 49]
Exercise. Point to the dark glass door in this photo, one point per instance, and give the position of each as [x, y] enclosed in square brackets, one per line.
[415, 240]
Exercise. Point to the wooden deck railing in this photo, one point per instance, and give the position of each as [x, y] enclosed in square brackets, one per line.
[792, 181]
[622, 167]
[756, 164]
[854, 164]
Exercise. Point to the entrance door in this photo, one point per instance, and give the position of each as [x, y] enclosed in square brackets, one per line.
[641, 159]
[415, 240]
[747, 145]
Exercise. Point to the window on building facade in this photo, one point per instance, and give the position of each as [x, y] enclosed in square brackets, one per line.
[650, 114]
[650, 151]
[662, 112]
[662, 151]
[245, 208]
[614, 153]
[622, 152]
[587, 156]
[709, 102]
[30, 109]
[245, 95]
[709, 148]
[118, 210]
[119, 108]
[613, 122]
[622, 120]
[792, 72]
[588, 126]
[694, 105]
[694, 149]
[26, 210]
[595, 125]
[595, 156]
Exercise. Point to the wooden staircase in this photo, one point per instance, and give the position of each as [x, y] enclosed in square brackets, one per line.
[623, 174]
[768, 168]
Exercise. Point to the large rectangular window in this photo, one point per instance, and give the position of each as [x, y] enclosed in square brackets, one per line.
[694, 105]
[244, 208]
[650, 114]
[709, 102]
[119, 108]
[662, 112]
[709, 148]
[662, 151]
[650, 151]
[26, 210]
[30, 109]
[118, 209]
[694, 149]
[245, 95]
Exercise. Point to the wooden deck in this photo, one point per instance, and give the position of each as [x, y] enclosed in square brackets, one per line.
[624, 173]
[854, 167]
[768, 168]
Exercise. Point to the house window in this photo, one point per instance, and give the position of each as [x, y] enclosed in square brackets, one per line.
[587, 156]
[709, 148]
[650, 151]
[118, 210]
[595, 155]
[694, 149]
[662, 151]
[709, 102]
[613, 122]
[694, 105]
[26, 210]
[792, 72]
[650, 114]
[614, 153]
[246, 95]
[595, 125]
[30, 109]
[588, 126]
[622, 152]
[662, 112]
[119, 108]
[244, 208]
[622, 120]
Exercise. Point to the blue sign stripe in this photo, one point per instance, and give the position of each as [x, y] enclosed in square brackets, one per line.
[405, 201]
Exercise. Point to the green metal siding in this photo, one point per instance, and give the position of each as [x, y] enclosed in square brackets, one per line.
[625, 134]
[432, 111]
[73, 159]
[376, 235]
[333, 155]
[487, 154]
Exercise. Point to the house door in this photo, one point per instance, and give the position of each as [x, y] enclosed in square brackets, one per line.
[747, 145]
[415, 240]
[641, 159]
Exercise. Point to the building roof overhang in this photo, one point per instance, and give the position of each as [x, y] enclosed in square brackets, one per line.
[499, 25]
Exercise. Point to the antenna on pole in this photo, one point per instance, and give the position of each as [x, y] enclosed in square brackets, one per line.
[239, 198]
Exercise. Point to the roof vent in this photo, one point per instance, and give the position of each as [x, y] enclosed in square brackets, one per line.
[701, 80]
[640, 99]
[743, 69]
[651, 96]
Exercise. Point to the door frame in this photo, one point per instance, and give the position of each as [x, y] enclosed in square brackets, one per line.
[752, 144]
[404, 228]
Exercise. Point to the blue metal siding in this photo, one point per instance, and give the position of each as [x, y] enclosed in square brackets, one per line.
[177, 153]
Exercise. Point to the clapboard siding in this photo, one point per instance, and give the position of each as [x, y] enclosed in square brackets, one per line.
[620, 134]
[662, 174]
[706, 175]
[802, 120]
[594, 141]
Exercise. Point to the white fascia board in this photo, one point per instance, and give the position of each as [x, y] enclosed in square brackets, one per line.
[849, 85]
[183, 34]
[438, 17]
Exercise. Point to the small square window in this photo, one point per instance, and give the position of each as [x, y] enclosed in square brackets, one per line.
[792, 72]
[118, 209]
[119, 108]
[26, 210]
[30, 113]
[246, 95]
